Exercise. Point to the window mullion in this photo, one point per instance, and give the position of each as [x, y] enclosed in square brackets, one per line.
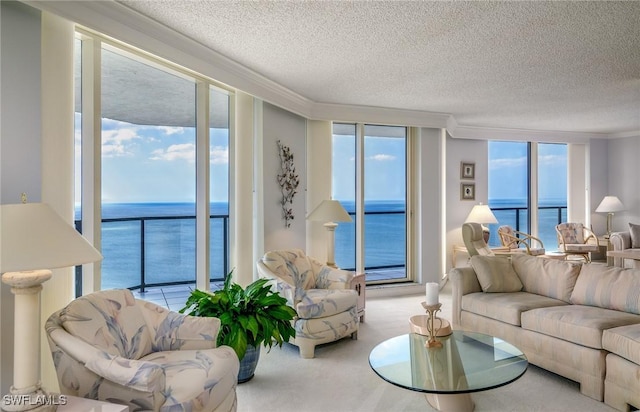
[359, 198]
[203, 195]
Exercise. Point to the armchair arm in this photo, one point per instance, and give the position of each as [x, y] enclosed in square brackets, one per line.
[139, 375]
[286, 289]
[330, 278]
[528, 240]
[590, 235]
[175, 331]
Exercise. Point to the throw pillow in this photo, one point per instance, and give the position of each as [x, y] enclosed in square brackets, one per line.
[608, 287]
[496, 274]
[546, 277]
[634, 230]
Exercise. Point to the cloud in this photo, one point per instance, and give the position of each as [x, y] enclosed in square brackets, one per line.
[170, 130]
[552, 160]
[382, 157]
[507, 162]
[118, 142]
[184, 151]
[219, 155]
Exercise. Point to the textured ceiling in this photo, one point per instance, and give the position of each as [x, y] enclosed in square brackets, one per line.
[561, 66]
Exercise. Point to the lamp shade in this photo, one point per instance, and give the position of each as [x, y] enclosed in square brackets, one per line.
[481, 214]
[34, 236]
[610, 204]
[329, 211]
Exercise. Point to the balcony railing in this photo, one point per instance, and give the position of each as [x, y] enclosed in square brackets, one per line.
[517, 217]
[130, 242]
[385, 245]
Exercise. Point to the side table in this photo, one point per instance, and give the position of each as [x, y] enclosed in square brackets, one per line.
[75, 404]
[359, 284]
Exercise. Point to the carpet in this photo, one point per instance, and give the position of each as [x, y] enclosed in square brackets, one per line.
[339, 378]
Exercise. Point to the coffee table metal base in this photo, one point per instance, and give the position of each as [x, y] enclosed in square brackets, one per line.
[459, 402]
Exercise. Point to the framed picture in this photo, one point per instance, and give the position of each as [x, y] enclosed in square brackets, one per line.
[467, 191]
[467, 170]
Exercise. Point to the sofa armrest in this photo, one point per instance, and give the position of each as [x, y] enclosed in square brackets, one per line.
[175, 331]
[139, 375]
[620, 240]
[463, 282]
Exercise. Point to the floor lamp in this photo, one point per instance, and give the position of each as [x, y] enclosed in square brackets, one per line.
[330, 211]
[34, 239]
[482, 214]
[609, 205]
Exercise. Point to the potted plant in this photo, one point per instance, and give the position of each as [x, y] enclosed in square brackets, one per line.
[248, 317]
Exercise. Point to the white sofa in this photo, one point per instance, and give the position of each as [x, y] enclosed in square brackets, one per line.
[624, 241]
[581, 321]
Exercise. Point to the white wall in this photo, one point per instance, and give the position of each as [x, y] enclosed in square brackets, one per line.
[457, 151]
[20, 137]
[290, 129]
[624, 179]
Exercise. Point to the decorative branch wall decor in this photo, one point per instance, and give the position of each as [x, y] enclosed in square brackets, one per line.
[288, 181]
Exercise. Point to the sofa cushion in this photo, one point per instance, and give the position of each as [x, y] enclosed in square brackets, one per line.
[505, 307]
[608, 287]
[547, 277]
[496, 274]
[579, 324]
[634, 231]
[624, 341]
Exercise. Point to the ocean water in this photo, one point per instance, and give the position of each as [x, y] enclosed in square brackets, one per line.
[166, 251]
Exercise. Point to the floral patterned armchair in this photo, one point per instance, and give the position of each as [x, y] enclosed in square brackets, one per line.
[326, 306]
[575, 239]
[518, 241]
[112, 347]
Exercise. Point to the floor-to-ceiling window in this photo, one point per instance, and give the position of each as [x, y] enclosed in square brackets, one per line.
[511, 168]
[552, 191]
[149, 140]
[370, 180]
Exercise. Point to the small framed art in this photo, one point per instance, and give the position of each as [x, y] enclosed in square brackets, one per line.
[467, 191]
[467, 170]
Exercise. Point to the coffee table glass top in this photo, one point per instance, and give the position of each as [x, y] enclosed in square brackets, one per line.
[466, 362]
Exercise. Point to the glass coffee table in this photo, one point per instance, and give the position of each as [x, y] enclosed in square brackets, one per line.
[467, 362]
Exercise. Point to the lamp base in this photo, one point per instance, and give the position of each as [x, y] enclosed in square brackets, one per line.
[32, 399]
[26, 394]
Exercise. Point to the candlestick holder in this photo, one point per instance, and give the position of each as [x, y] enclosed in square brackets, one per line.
[432, 342]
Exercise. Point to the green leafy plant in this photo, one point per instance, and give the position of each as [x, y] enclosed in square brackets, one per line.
[248, 317]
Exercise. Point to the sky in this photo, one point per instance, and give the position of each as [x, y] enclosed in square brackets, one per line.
[508, 171]
[157, 164]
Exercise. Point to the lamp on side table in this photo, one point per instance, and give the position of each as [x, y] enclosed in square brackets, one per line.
[34, 237]
[330, 211]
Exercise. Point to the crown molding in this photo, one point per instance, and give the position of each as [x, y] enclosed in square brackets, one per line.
[381, 115]
[499, 133]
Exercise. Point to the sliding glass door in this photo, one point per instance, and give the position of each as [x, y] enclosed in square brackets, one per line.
[370, 180]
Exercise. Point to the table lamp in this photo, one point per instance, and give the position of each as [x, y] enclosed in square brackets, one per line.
[33, 239]
[609, 205]
[482, 214]
[330, 211]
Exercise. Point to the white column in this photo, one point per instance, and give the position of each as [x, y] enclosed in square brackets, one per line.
[241, 196]
[57, 161]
